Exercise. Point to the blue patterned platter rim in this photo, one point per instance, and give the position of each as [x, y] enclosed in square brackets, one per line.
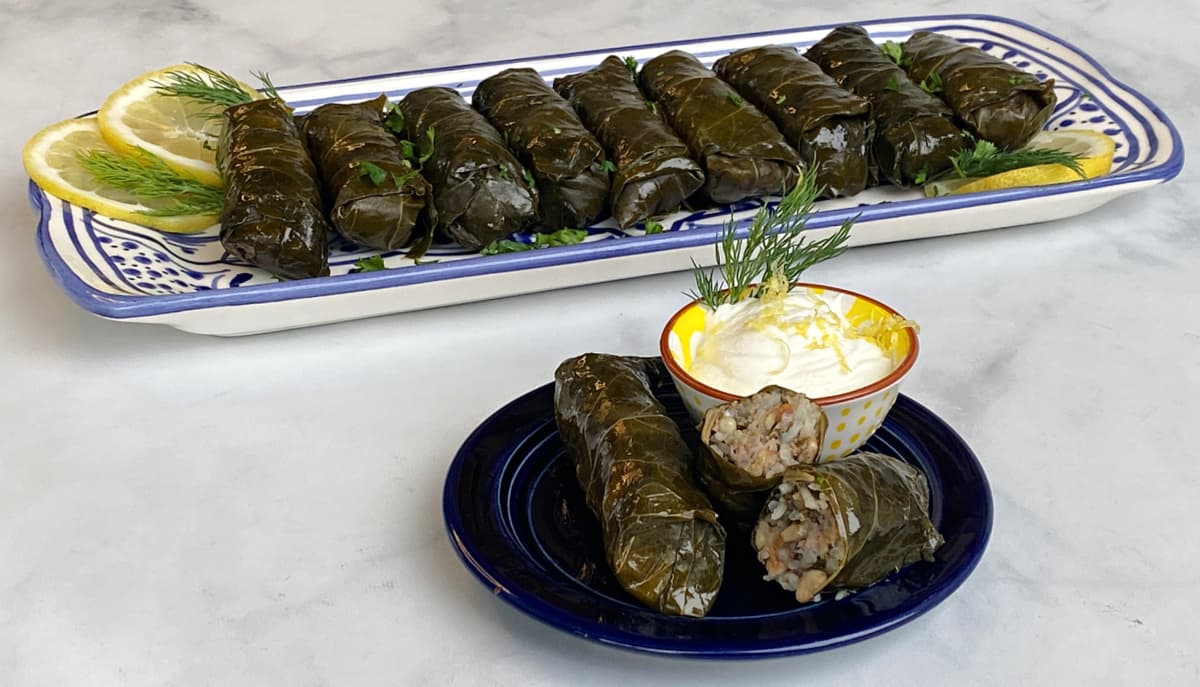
[517, 519]
[121, 270]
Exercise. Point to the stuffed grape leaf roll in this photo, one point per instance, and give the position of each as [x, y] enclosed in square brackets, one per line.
[915, 135]
[566, 160]
[273, 216]
[661, 535]
[829, 126]
[750, 442]
[376, 196]
[995, 100]
[742, 152]
[847, 523]
[480, 190]
[653, 171]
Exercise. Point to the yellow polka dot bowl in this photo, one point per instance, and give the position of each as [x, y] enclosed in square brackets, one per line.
[853, 416]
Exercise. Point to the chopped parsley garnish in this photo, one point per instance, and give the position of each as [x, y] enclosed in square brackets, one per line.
[373, 263]
[563, 237]
[393, 119]
[932, 83]
[372, 171]
[894, 52]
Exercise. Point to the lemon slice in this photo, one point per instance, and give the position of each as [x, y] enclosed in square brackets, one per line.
[52, 160]
[1095, 148]
[181, 131]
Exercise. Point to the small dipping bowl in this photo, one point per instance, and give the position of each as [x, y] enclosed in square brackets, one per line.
[853, 416]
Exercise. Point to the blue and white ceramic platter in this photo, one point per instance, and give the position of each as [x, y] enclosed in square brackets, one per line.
[131, 273]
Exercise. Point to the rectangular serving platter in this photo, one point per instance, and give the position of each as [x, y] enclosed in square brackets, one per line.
[129, 273]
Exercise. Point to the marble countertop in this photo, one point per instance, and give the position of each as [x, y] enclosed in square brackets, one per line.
[184, 510]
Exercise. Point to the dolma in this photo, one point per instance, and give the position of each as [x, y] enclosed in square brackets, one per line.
[376, 196]
[653, 171]
[743, 154]
[566, 160]
[915, 135]
[272, 216]
[480, 190]
[750, 442]
[661, 535]
[995, 100]
[829, 126]
[845, 524]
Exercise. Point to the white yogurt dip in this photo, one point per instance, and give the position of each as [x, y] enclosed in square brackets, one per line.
[798, 341]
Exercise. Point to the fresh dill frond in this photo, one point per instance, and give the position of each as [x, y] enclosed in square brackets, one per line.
[774, 249]
[209, 86]
[268, 88]
[631, 64]
[147, 177]
[985, 159]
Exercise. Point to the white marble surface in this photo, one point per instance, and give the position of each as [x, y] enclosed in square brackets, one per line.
[181, 510]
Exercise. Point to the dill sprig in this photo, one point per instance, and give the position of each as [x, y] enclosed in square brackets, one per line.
[985, 159]
[147, 177]
[213, 87]
[268, 87]
[209, 86]
[773, 251]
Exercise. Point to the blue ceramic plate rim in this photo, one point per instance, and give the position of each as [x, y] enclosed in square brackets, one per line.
[532, 599]
[121, 306]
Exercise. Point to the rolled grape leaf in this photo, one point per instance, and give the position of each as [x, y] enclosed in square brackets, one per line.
[376, 196]
[829, 126]
[845, 524]
[995, 100]
[661, 536]
[653, 171]
[272, 217]
[915, 135]
[750, 442]
[742, 152]
[480, 190]
[566, 160]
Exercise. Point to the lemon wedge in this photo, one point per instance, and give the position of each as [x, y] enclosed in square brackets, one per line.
[1096, 151]
[52, 160]
[182, 132]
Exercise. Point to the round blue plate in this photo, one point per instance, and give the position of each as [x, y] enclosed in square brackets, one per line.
[517, 518]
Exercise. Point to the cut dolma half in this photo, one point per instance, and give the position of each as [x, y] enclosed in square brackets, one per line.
[653, 171]
[845, 524]
[661, 536]
[829, 126]
[915, 135]
[742, 152]
[994, 99]
[480, 190]
[566, 160]
[376, 196]
[272, 217]
[750, 442]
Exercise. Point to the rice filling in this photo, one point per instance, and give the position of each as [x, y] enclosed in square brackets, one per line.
[766, 433]
[800, 540]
